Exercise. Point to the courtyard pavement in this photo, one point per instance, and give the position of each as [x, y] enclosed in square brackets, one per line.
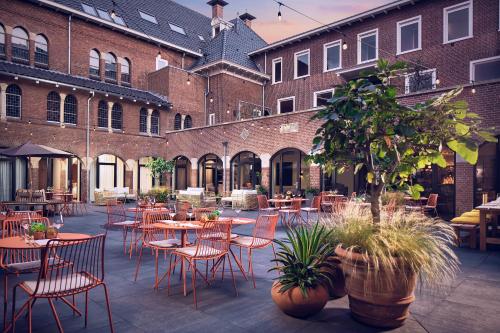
[470, 304]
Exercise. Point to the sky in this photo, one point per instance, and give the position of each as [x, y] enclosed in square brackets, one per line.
[266, 11]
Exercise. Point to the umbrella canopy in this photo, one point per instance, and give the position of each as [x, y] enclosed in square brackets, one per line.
[32, 150]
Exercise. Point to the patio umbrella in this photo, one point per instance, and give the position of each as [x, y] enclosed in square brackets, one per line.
[30, 150]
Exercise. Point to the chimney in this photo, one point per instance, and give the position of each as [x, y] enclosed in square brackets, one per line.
[217, 8]
[247, 18]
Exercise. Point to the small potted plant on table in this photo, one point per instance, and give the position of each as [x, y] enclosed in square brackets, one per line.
[37, 230]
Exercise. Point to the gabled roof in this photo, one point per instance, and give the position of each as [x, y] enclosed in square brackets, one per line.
[232, 45]
[165, 11]
[13, 69]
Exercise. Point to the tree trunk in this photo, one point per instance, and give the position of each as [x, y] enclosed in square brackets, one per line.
[376, 190]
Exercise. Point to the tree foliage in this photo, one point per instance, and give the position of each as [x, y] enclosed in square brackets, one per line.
[159, 166]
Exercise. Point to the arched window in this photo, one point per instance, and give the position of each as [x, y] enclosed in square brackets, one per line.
[20, 45]
[246, 169]
[188, 122]
[94, 61]
[143, 120]
[110, 67]
[210, 173]
[102, 114]
[177, 122]
[155, 122]
[53, 106]
[70, 110]
[116, 117]
[13, 101]
[2, 40]
[125, 70]
[41, 50]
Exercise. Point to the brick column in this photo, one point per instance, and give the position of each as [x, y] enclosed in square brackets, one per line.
[110, 107]
[194, 172]
[464, 186]
[314, 176]
[8, 42]
[31, 43]
[3, 102]
[61, 109]
[102, 66]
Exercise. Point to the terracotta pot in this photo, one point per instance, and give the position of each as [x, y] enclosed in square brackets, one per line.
[337, 288]
[293, 303]
[38, 235]
[51, 233]
[384, 304]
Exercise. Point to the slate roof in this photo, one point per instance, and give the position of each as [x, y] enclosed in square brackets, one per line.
[10, 68]
[232, 45]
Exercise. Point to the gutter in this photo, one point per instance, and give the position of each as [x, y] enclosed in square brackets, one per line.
[69, 44]
[229, 63]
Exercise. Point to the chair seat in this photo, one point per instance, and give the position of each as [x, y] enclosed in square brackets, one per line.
[309, 209]
[219, 235]
[291, 211]
[70, 282]
[247, 241]
[268, 209]
[125, 223]
[204, 251]
[166, 243]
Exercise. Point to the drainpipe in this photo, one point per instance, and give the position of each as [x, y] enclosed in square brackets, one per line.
[69, 44]
[206, 95]
[87, 148]
[224, 144]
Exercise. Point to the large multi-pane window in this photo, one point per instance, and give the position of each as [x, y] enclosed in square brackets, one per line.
[155, 122]
[70, 110]
[332, 56]
[143, 120]
[457, 22]
[409, 35]
[13, 101]
[94, 63]
[368, 46]
[53, 106]
[116, 116]
[2, 40]
[301, 66]
[177, 121]
[125, 70]
[110, 67]
[102, 114]
[41, 50]
[20, 45]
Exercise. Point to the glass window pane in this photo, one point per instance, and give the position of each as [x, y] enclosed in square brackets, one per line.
[302, 64]
[322, 98]
[333, 57]
[177, 28]
[368, 47]
[487, 71]
[277, 71]
[409, 37]
[104, 14]
[89, 9]
[286, 106]
[458, 24]
[148, 17]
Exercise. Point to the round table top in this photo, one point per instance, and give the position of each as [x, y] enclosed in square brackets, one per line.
[240, 220]
[333, 195]
[286, 200]
[178, 225]
[18, 243]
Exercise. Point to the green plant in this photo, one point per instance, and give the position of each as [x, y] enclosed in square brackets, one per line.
[37, 227]
[411, 242]
[213, 215]
[159, 166]
[312, 191]
[160, 195]
[261, 190]
[366, 127]
[300, 262]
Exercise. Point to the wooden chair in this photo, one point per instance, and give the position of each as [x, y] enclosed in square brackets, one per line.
[155, 239]
[315, 208]
[264, 205]
[212, 243]
[431, 205]
[85, 273]
[292, 214]
[262, 236]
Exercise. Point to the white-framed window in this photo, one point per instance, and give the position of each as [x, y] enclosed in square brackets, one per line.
[332, 56]
[286, 104]
[457, 22]
[421, 81]
[211, 119]
[161, 63]
[320, 98]
[409, 35]
[485, 69]
[148, 17]
[368, 46]
[301, 64]
[277, 70]
[177, 29]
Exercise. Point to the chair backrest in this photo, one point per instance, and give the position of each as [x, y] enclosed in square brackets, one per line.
[199, 212]
[296, 204]
[316, 202]
[38, 196]
[152, 216]
[116, 212]
[432, 200]
[262, 201]
[325, 197]
[25, 213]
[71, 266]
[214, 239]
[23, 195]
[13, 225]
[264, 230]
[183, 205]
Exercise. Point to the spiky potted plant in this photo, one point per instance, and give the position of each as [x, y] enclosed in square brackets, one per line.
[300, 290]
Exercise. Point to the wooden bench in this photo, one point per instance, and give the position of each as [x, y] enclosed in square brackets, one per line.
[471, 230]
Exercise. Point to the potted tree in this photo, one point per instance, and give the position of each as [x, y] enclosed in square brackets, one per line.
[300, 290]
[159, 166]
[366, 128]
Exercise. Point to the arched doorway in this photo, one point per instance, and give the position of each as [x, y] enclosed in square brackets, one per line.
[289, 172]
[246, 171]
[110, 172]
[182, 171]
[210, 173]
[60, 174]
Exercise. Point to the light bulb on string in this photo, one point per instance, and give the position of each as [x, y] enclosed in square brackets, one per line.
[344, 46]
[438, 81]
[279, 11]
[473, 90]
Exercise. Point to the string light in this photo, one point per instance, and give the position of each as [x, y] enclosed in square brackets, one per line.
[188, 81]
[279, 11]
[473, 90]
[113, 12]
[438, 81]
[344, 45]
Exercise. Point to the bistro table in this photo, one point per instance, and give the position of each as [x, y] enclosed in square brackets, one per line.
[28, 205]
[279, 202]
[19, 243]
[493, 209]
[66, 199]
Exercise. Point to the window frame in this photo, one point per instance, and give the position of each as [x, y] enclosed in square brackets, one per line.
[176, 28]
[143, 15]
[41, 54]
[273, 70]
[114, 119]
[434, 84]
[104, 14]
[404, 23]
[178, 118]
[472, 67]
[92, 75]
[2, 44]
[188, 120]
[296, 55]
[155, 114]
[55, 111]
[20, 96]
[211, 119]
[86, 5]
[143, 113]
[316, 93]
[450, 9]
[283, 99]
[113, 78]
[106, 113]
[359, 44]
[66, 110]
[18, 46]
[326, 46]
[125, 78]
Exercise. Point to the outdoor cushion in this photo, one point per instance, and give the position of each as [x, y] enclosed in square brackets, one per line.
[205, 250]
[247, 241]
[472, 213]
[70, 282]
[466, 220]
[125, 223]
[166, 243]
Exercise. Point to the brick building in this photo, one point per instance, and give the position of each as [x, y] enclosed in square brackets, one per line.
[119, 82]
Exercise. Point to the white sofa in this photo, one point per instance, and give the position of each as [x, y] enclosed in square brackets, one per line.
[118, 193]
[247, 199]
[194, 195]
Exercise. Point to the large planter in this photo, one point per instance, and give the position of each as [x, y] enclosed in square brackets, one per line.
[337, 288]
[383, 304]
[293, 303]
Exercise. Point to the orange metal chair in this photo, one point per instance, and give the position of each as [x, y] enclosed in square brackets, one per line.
[262, 236]
[431, 205]
[212, 243]
[199, 212]
[264, 205]
[315, 208]
[117, 217]
[292, 214]
[86, 272]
